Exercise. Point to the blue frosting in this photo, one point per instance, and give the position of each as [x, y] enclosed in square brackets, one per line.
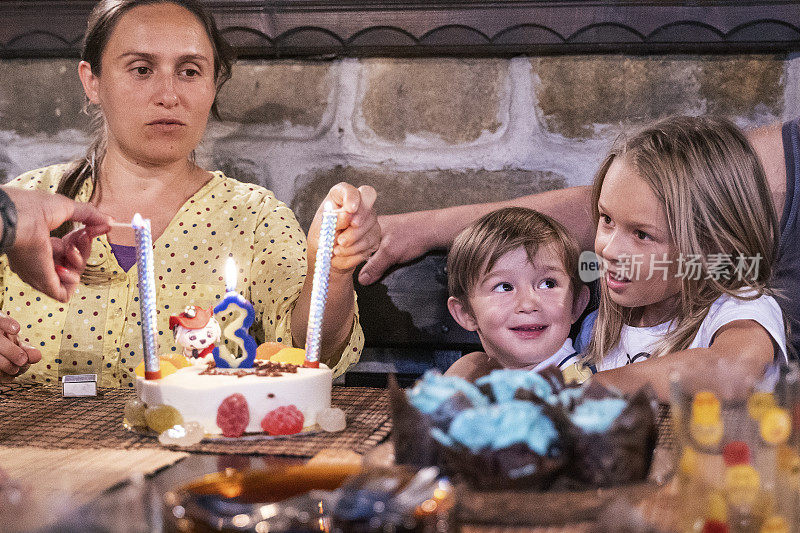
[567, 395]
[505, 382]
[434, 389]
[442, 437]
[596, 416]
[501, 425]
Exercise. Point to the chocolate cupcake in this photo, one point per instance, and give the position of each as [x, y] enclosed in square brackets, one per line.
[432, 404]
[614, 438]
[514, 444]
[517, 429]
[506, 384]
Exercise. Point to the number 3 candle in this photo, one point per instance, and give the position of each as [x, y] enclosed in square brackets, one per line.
[236, 330]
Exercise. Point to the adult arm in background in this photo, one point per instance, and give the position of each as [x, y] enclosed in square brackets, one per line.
[407, 236]
[49, 264]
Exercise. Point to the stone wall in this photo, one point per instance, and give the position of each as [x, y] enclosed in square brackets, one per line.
[414, 127]
[425, 133]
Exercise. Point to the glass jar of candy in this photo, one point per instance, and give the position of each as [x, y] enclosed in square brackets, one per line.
[738, 466]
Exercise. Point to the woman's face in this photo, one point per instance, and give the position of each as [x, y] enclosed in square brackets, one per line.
[156, 85]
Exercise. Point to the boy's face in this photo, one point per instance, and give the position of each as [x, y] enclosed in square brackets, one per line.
[522, 311]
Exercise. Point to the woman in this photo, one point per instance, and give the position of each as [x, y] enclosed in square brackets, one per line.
[151, 69]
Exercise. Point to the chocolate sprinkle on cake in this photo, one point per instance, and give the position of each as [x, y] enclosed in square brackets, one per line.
[260, 368]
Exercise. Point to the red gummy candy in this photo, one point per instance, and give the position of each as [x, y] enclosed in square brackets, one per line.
[233, 415]
[736, 453]
[285, 420]
[715, 526]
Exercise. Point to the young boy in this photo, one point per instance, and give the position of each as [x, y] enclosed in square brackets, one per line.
[513, 278]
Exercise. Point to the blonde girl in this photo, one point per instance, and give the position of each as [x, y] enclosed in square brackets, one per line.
[687, 234]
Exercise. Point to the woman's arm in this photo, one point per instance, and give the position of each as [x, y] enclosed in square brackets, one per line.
[739, 351]
[409, 235]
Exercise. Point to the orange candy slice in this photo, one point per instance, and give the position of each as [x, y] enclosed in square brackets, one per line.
[268, 349]
[295, 356]
[166, 368]
[177, 359]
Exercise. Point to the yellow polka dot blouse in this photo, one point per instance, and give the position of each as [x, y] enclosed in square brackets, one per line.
[99, 330]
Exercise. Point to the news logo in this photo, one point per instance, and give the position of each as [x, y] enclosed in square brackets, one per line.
[590, 267]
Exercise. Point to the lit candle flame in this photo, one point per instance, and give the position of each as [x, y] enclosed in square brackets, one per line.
[230, 275]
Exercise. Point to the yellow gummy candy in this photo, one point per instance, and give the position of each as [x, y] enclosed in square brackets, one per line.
[788, 459]
[742, 477]
[789, 466]
[706, 409]
[717, 507]
[706, 434]
[295, 356]
[162, 417]
[742, 484]
[776, 425]
[687, 465]
[775, 524]
[705, 424]
[758, 403]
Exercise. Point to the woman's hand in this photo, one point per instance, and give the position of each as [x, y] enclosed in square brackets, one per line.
[357, 236]
[15, 356]
[358, 233]
[48, 264]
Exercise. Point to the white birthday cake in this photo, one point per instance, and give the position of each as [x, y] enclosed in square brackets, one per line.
[274, 398]
[229, 389]
[198, 393]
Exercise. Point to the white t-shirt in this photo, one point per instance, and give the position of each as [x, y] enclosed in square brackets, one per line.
[565, 356]
[635, 344]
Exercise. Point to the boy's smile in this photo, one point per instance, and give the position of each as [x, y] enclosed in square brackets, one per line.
[522, 311]
[529, 331]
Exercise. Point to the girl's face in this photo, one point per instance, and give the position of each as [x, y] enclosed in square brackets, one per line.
[633, 241]
[156, 85]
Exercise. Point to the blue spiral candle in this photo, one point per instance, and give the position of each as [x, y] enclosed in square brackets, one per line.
[147, 295]
[319, 289]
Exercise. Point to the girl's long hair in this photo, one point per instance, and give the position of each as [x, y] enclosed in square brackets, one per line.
[718, 206]
[102, 21]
